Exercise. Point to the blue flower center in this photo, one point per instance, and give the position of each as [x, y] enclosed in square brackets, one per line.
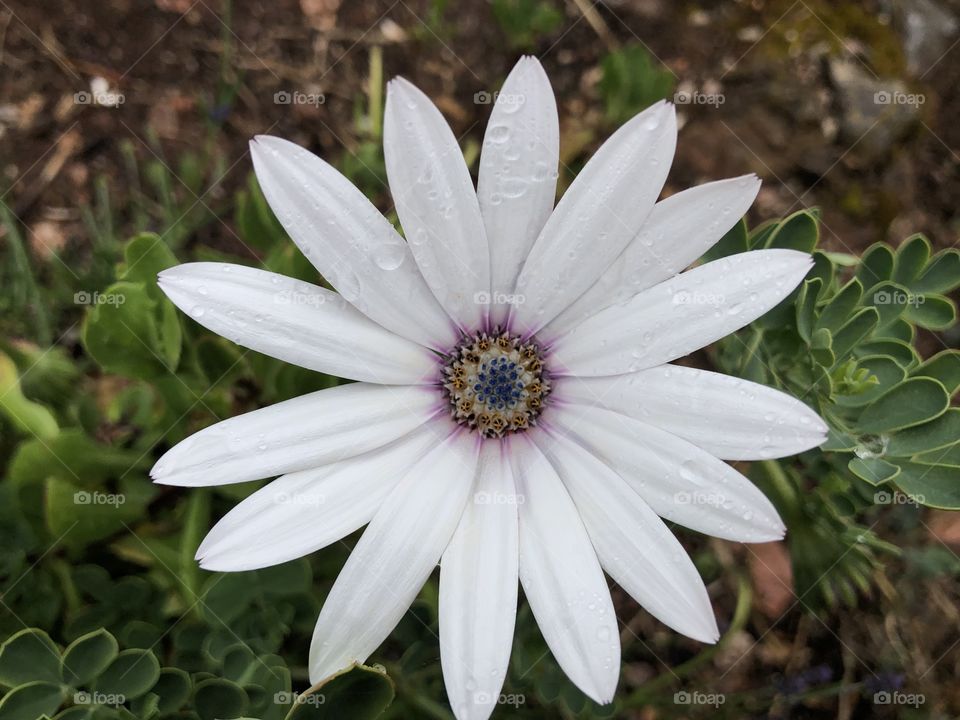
[499, 384]
[496, 383]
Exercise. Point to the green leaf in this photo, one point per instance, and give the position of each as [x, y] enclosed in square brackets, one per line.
[806, 307]
[82, 516]
[876, 265]
[838, 310]
[31, 701]
[27, 656]
[88, 656]
[77, 712]
[931, 311]
[855, 330]
[732, 243]
[74, 457]
[799, 231]
[356, 693]
[822, 268]
[887, 372]
[173, 688]
[146, 255]
[889, 299]
[945, 367]
[899, 330]
[256, 223]
[900, 351]
[132, 674]
[912, 257]
[124, 335]
[874, 470]
[217, 699]
[28, 416]
[949, 455]
[912, 402]
[631, 80]
[842, 259]
[760, 235]
[942, 274]
[935, 486]
[938, 433]
[820, 343]
[838, 442]
[171, 334]
[145, 706]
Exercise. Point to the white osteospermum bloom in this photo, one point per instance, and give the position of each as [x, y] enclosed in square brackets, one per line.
[516, 415]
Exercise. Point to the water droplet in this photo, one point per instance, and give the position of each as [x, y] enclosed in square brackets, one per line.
[389, 255]
[498, 134]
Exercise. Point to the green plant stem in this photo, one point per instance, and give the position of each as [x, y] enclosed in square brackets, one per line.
[195, 525]
[741, 613]
[781, 484]
[70, 595]
[375, 90]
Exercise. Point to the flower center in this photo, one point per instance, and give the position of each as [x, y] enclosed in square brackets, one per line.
[496, 383]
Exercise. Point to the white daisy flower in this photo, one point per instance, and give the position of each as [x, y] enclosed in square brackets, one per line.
[516, 415]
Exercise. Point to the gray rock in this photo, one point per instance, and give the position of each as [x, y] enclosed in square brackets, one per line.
[928, 29]
[874, 112]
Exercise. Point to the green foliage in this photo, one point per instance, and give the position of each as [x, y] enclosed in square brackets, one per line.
[632, 80]
[524, 22]
[92, 678]
[843, 342]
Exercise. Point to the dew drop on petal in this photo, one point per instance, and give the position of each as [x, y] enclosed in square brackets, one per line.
[389, 255]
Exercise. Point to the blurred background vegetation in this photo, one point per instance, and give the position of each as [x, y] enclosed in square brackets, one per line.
[123, 150]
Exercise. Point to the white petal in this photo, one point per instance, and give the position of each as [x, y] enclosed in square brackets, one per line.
[353, 246]
[302, 512]
[634, 546]
[677, 232]
[394, 557]
[680, 315]
[517, 181]
[728, 417]
[478, 591]
[596, 218]
[681, 482]
[436, 203]
[296, 322]
[562, 578]
[311, 430]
